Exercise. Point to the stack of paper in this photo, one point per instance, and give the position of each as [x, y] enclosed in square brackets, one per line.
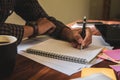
[65, 67]
[112, 55]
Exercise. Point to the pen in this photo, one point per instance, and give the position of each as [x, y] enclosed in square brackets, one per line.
[83, 30]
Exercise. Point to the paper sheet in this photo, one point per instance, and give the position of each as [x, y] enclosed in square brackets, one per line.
[61, 66]
[114, 54]
[81, 25]
[116, 67]
[104, 56]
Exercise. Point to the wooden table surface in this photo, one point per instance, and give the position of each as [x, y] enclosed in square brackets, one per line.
[27, 69]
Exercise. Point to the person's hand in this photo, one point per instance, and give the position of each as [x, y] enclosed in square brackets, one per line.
[75, 38]
[79, 41]
[45, 26]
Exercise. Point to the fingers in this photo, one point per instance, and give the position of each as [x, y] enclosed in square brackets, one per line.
[79, 41]
[88, 38]
[76, 43]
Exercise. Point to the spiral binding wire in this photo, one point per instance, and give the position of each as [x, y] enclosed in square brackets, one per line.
[57, 56]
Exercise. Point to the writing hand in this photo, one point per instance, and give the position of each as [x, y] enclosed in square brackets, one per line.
[79, 41]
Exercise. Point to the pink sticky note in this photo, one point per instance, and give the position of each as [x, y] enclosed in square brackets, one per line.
[115, 67]
[115, 54]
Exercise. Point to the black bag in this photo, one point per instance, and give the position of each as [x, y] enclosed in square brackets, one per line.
[110, 33]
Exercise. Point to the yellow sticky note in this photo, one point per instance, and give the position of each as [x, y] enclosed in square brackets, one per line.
[106, 71]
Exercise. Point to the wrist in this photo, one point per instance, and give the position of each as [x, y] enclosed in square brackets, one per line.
[28, 31]
[67, 34]
[33, 24]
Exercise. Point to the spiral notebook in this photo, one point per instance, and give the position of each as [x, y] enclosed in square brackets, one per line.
[62, 50]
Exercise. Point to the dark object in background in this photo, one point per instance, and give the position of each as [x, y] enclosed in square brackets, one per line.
[110, 33]
[7, 56]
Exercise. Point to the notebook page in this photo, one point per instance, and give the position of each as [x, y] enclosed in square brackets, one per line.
[66, 49]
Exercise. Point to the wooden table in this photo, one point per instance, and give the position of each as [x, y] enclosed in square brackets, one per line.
[27, 69]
